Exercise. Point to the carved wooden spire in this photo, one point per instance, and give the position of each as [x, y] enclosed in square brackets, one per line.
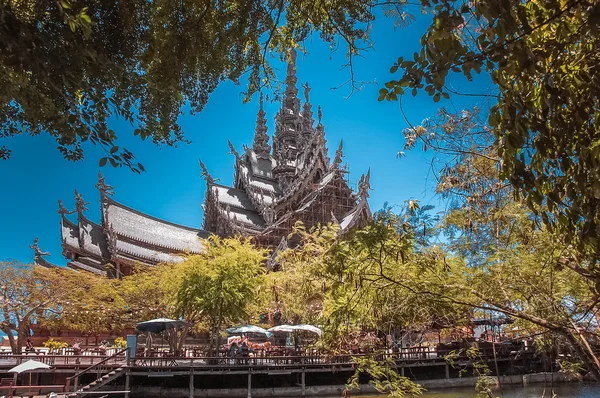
[337, 161]
[261, 140]
[290, 100]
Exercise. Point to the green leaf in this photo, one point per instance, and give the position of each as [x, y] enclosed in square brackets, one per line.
[436, 97]
[114, 149]
[393, 69]
[113, 162]
[103, 162]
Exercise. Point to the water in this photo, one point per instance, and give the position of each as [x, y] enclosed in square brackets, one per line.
[573, 390]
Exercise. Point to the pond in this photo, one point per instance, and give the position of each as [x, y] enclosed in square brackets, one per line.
[572, 390]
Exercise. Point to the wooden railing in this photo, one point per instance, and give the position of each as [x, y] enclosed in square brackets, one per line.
[98, 367]
[424, 357]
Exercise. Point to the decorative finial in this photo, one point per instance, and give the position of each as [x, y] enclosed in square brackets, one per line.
[38, 252]
[338, 157]
[319, 115]
[62, 210]
[306, 91]
[364, 185]
[104, 188]
[80, 204]
[205, 174]
[307, 115]
[233, 151]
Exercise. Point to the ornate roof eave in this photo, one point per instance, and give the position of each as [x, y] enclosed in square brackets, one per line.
[235, 225]
[144, 242]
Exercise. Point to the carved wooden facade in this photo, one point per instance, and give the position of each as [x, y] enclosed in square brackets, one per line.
[274, 187]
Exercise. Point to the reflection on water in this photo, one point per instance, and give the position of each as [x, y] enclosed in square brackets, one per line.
[574, 390]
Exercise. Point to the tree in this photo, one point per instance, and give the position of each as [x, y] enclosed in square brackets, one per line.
[510, 262]
[31, 294]
[220, 284]
[542, 58]
[68, 66]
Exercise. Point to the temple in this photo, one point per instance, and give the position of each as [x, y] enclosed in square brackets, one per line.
[275, 186]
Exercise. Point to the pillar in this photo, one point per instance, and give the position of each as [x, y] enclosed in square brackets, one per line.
[127, 383]
[249, 384]
[447, 371]
[303, 383]
[402, 371]
[191, 383]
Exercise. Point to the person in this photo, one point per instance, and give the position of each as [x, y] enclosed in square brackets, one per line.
[102, 347]
[77, 347]
[233, 349]
[29, 347]
[244, 351]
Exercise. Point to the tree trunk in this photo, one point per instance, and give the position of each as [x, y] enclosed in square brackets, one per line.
[11, 339]
[588, 358]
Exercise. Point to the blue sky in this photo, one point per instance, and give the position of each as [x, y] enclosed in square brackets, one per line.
[37, 176]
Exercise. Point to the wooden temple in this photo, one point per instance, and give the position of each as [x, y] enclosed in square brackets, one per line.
[274, 187]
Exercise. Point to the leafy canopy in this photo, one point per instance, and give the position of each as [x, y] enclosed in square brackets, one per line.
[542, 57]
[68, 66]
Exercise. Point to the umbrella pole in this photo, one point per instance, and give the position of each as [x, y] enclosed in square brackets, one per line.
[29, 379]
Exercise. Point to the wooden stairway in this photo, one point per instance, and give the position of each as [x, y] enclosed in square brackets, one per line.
[98, 383]
[105, 374]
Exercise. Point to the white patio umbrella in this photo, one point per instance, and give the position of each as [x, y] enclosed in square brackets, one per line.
[29, 366]
[282, 329]
[248, 329]
[309, 328]
[296, 328]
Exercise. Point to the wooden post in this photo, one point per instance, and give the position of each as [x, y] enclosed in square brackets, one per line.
[249, 384]
[402, 371]
[447, 371]
[191, 383]
[127, 383]
[303, 383]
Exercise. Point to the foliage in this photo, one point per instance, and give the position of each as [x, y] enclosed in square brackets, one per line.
[29, 294]
[220, 284]
[120, 342]
[298, 290]
[542, 58]
[384, 376]
[68, 66]
[55, 344]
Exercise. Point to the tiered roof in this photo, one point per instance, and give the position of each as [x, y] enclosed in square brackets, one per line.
[274, 187]
[123, 238]
[294, 182]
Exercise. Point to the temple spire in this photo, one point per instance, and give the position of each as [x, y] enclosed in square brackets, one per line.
[337, 161]
[261, 140]
[290, 100]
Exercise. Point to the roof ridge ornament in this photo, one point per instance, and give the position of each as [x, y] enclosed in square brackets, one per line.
[103, 187]
[80, 204]
[233, 151]
[205, 174]
[261, 140]
[38, 252]
[62, 210]
[364, 185]
[337, 161]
